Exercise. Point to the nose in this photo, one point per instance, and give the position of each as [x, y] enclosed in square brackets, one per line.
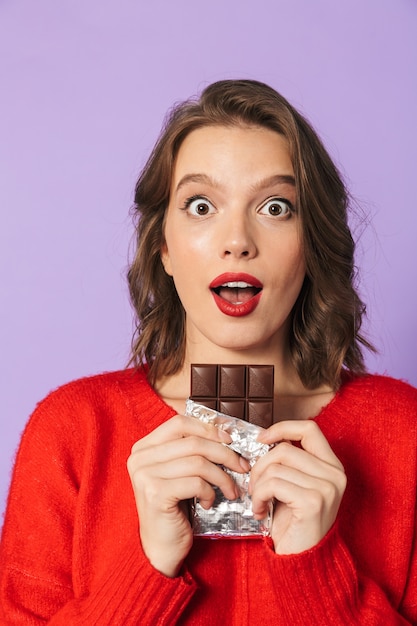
[237, 237]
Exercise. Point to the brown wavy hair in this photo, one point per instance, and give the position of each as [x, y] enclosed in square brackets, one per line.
[326, 318]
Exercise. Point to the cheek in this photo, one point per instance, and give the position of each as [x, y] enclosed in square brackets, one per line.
[173, 249]
[181, 261]
[296, 253]
[299, 263]
[289, 258]
[185, 251]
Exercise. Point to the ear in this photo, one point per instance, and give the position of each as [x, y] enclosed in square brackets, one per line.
[166, 259]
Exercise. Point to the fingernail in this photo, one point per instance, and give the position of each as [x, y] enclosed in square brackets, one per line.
[224, 436]
[237, 493]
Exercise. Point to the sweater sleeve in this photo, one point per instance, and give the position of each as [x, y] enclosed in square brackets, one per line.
[38, 583]
[325, 581]
[126, 595]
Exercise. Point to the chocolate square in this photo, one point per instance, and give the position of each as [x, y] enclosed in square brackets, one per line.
[232, 381]
[204, 381]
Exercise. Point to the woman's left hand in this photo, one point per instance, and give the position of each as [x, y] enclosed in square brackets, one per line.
[307, 484]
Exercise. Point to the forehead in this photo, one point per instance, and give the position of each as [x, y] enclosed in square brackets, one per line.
[250, 150]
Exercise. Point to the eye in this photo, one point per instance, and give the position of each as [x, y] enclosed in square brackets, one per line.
[198, 206]
[277, 207]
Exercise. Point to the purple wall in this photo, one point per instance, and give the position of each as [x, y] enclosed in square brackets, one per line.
[84, 86]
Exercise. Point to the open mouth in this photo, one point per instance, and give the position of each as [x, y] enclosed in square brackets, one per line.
[237, 292]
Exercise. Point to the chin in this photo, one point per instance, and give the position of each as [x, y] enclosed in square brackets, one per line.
[228, 340]
[235, 345]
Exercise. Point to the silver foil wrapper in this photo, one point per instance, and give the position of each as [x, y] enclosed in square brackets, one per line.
[230, 518]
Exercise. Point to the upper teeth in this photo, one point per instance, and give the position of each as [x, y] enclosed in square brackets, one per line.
[237, 284]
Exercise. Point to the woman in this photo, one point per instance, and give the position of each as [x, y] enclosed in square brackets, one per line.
[243, 256]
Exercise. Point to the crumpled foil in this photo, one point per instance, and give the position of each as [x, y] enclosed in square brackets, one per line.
[230, 518]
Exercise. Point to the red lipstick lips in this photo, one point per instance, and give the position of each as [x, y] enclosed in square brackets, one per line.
[236, 294]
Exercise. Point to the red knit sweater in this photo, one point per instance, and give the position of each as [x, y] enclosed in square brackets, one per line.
[71, 554]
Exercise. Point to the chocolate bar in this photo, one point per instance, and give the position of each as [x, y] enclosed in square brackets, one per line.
[243, 391]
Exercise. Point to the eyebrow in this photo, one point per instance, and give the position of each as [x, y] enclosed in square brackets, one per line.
[275, 179]
[196, 178]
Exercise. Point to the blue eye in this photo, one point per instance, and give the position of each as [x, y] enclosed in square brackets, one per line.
[198, 206]
[277, 207]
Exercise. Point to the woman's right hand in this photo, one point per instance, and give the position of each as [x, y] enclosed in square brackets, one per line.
[178, 461]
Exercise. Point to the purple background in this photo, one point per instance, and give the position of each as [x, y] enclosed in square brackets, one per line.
[84, 87]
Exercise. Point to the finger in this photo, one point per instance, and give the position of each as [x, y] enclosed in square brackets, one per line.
[165, 495]
[191, 446]
[307, 433]
[182, 426]
[287, 455]
[162, 474]
[311, 499]
[326, 483]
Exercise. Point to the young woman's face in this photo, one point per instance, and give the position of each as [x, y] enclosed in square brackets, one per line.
[233, 241]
